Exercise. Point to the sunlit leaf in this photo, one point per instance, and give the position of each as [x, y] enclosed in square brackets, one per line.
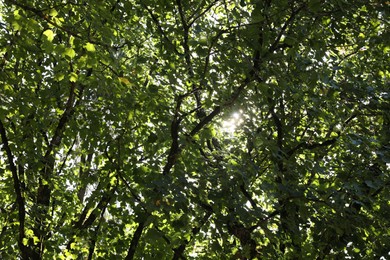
[90, 47]
[71, 53]
[49, 34]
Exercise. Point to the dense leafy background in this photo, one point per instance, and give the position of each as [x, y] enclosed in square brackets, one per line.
[208, 129]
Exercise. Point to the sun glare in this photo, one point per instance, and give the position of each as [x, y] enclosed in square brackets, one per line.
[230, 125]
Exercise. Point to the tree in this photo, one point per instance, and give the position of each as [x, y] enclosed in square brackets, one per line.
[205, 129]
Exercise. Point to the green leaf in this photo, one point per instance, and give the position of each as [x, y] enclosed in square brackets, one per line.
[70, 53]
[49, 34]
[73, 77]
[90, 47]
[53, 12]
[59, 76]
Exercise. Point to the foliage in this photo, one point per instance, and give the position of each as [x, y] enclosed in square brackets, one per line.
[114, 136]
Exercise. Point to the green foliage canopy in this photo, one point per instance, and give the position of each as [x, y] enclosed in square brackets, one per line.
[209, 129]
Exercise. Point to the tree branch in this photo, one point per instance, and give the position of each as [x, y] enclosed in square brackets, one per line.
[311, 146]
[244, 235]
[84, 222]
[175, 128]
[159, 27]
[91, 249]
[248, 196]
[135, 240]
[289, 21]
[18, 191]
[179, 250]
[196, 17]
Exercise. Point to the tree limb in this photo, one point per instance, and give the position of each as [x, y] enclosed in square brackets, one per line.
[135, 240]
[18, 191]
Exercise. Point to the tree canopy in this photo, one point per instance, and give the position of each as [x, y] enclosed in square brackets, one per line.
[194, 129]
